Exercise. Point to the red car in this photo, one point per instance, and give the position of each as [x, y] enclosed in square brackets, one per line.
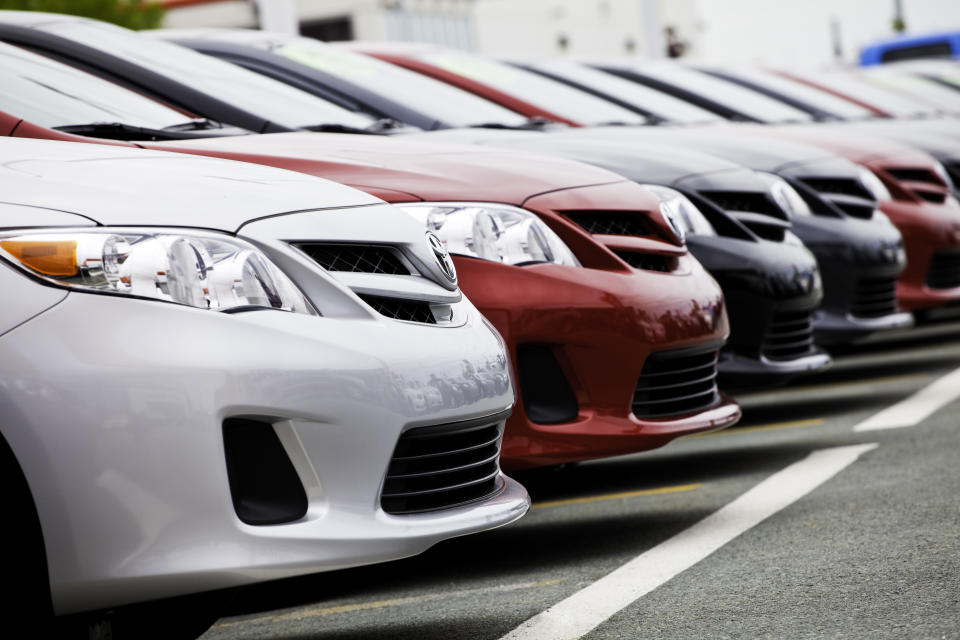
[608, 359]
[920, 205]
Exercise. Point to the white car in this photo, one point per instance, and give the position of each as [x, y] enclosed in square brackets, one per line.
[205, 373]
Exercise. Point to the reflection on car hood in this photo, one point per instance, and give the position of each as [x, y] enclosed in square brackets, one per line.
[393, 166]
[121, 186]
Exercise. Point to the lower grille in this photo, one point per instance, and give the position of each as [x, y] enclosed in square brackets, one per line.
[442, 467]
[944, 272]
[874, 297]
[648, 261]
[398, 309]
[789, 335]
[676, 382]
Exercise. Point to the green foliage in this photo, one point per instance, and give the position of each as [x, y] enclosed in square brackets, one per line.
[133, 14]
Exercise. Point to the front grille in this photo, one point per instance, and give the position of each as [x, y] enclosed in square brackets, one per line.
[842, 186]
[356, 258]
[613, 223]
[399, 309]
[438, 468]
[944, 272]
[874, 297]
[745, 201]
[789, 335]
[916, 175]
[766, 231]
[855, 209]
[937, 197]
[648, 261]
[675, 383]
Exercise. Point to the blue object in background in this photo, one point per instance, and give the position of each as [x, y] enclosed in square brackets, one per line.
[934, 45]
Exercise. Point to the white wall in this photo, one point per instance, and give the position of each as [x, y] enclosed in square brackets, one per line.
[772, 32]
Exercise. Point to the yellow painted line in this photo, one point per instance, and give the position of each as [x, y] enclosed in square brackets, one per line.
[812, 422]
[302, 614]
[617, 496]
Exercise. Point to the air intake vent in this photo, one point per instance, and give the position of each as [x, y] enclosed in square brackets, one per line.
[442, 467]
[614, 223]
[745, 201]
[944, 272]
[916, 175]
[356, 258]
[789, 335]
[676, 382]
[841, 186]
[648, 261]
[874, 297]
[399, 309]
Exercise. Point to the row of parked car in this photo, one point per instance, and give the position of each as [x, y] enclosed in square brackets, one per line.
[227, 359]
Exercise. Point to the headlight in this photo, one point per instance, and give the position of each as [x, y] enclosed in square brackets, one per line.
[874, 185]
[490, 231]
[202, 270]
[682, 214]
[786, 196]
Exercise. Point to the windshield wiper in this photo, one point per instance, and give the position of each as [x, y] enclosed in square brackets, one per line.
[378, 127]
[531, 124]
[194, 124]
[121, 131]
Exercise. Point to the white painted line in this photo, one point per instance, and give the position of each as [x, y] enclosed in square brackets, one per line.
[914, 409]
[592, 605]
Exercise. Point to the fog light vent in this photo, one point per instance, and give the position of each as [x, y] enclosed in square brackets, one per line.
[263, 483]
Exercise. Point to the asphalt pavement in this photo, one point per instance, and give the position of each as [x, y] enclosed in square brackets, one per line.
[793, 524]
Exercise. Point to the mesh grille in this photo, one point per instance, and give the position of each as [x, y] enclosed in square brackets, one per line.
[675, 383]
[355, 258]
[614, 223]
[843, 186]
[874, 297]
[409, 310]
[437, 469]
[745, 201]
[944, 272]
[789, 335]
[648, 261]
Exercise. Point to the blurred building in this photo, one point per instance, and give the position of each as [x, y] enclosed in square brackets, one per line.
[727, 31]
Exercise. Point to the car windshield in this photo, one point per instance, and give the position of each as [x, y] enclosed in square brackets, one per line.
[545, 93]
[747, 101]
[650, 100]
[868, 93]
[447, 104]
[259, 95]
[929, 91]
[50, 94]
[803, 93]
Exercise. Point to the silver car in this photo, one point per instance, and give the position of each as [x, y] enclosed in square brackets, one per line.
[205, 379]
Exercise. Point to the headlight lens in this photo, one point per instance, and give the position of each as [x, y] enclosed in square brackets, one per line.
[874, 185]
[787, 197]
[489, 231]
[202, 270]
[682, 214]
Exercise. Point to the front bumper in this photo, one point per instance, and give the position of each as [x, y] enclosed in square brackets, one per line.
[587, 334]
[928, 229]
[115, 410]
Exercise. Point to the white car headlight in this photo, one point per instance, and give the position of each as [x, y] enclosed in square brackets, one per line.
[874, 185]
[490, 231]
[682, 214]
[194, 268]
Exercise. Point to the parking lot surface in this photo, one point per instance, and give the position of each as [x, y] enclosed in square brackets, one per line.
[821, 515]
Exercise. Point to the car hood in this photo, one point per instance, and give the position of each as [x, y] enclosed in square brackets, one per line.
[756, 152]
[853, 145]
[642, 161]
[123, 186]
[404, 168]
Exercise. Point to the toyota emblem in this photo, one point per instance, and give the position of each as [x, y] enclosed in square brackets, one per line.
[442, 257]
